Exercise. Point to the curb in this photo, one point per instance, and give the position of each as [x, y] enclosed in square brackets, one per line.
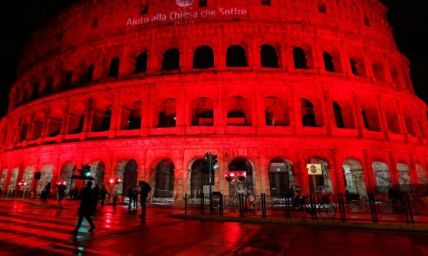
[418, 228]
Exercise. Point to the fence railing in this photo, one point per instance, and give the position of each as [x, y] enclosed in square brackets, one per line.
[404, 207]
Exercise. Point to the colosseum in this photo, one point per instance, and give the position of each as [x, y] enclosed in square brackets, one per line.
[142, 90]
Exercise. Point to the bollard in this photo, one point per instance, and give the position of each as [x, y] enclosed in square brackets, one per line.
[220, 202]
[312, 202]
[263, 205]
[288, 201]
[185, 203]
[408, 208]
[211, 204]
[202, 206]
[372, 204]
[241, 205]
[341, 207]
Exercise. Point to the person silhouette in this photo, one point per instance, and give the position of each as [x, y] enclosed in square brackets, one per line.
[145, 189]
[87, 207]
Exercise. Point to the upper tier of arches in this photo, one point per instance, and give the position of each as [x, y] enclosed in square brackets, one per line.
[94, 21]
[248, 56]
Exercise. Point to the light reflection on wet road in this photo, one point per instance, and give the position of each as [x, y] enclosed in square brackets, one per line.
[27, 229]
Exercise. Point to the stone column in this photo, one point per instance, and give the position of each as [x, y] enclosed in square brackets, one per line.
[359, 122]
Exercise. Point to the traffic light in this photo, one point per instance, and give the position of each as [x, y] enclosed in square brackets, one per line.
[214, 162]
[211, 161]
[86, 171]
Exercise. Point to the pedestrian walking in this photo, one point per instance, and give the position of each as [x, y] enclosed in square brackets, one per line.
[61, 194]
[87, 207]
[46, 192]
[131, 196]
[145, 189]
[103, 194]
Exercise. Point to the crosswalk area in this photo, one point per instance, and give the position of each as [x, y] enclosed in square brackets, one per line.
[49, 229]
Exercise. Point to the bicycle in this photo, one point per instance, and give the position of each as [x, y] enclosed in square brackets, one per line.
[301, 207]
[325, 209]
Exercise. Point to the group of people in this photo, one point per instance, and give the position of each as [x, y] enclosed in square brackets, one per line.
[90, 196]
[142, 190]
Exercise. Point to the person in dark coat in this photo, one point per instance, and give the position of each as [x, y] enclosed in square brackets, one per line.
[46, 193]
[103, 194]
[144, 193]
[87, 207]
[61, 194]
[131, 196]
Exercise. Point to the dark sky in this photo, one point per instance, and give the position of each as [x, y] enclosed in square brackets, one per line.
[19, 18]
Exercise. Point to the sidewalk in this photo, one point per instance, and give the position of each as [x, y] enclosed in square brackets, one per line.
[393, 227]
[361, 225]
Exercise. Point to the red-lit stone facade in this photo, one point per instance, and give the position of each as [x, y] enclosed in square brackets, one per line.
[268, 86]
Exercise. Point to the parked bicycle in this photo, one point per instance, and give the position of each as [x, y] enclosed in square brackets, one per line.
[302, 207]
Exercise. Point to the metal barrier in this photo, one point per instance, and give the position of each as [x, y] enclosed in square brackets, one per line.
[372, 207]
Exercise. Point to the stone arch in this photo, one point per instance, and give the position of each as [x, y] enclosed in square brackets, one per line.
[391, 115]
[343, 114]
[89, 76]
[302, 57]
[171, 59]
[24, 128]
[164, 181]
[129, 176]
[276, 112]
[199, 176]
[203, 57]
[114, 67]
[378, 69]
[321, 182]
[311, 113]
[236, 56]
[27, 178]
[238, 111]
[67, 172]
[3, 177]
[39, 121]
[421, 174]
[102, 114]
[354, 179]
[370, 116]
[131, 115]
[269, 56]
[76, 118]
[141, 63]
[203, 112]
[56, 117]
[167, 113]
[404, 176]
[358, 67]
[382, 176]
[13, 180]
[46, 174]
[328, 62]
[281, 177]
[244, 167]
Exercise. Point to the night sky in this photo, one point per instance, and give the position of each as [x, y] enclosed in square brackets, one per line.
[18, 18]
